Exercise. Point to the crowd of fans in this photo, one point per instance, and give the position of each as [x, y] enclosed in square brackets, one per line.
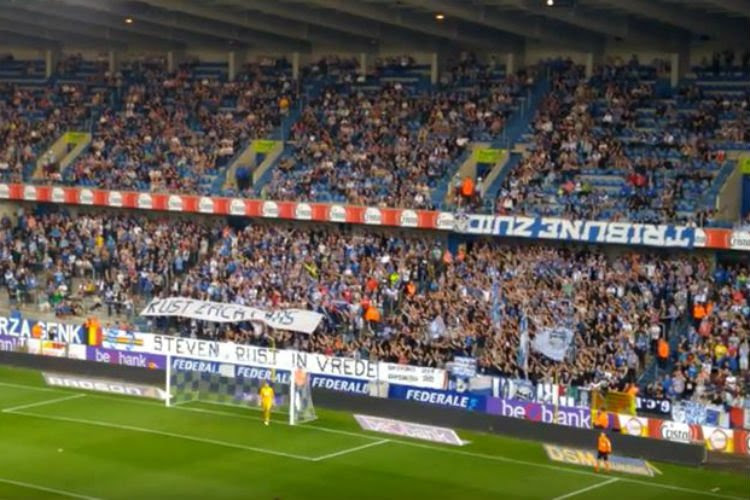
[389, 144]
[31, 119]
[384, 296]
[395, 298]
[174, 131]
[610, 148]
[713, 354]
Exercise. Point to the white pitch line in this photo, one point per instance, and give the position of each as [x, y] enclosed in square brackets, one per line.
[500, 458]
[32, 387]
[162, 433]
[38, 487]
[42, 403]
[484, 456]
[350, 450]
[251, 417]
[589, 488]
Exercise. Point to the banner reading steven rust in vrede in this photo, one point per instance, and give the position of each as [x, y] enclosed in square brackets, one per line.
[296, 320]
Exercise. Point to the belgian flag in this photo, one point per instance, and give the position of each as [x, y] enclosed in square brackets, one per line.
[94, 331]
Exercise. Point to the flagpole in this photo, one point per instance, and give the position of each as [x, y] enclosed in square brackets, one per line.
[522, 357]
[556, 397]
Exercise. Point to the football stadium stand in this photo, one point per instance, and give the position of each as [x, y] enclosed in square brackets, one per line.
[555, 192]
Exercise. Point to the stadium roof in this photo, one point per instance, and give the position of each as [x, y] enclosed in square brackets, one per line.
[366, 25]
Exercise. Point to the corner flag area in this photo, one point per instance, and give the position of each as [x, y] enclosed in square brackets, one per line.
[59, 443]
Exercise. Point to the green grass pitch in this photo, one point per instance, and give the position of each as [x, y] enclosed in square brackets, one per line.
[58, 443]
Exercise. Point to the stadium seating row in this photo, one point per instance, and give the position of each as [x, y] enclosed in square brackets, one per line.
[617, 146]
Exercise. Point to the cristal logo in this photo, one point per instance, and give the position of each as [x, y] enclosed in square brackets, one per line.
[739, 240]
[699, 238]
[461, 223]
[237, 207]
[409, 218]
[270, 209]
[634, 427]
[86, 197]
[206, 205]
[144, 201]
[174, 203]
[303, 211]
[672, 433]
[445, 220]
[337, 213]
[115, 199]
[29, 193]
[373, 216]
[4, 191]
[718, 440]
[58, 195]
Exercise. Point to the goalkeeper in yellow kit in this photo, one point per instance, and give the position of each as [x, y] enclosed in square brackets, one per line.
[266, 402]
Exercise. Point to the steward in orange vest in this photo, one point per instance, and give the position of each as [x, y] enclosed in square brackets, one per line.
[602, 419]
[603, 448]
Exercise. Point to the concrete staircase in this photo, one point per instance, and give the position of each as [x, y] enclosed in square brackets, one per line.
[67, 148]
[469, 169]
[249, 158]
[728, 187]
[492, 185]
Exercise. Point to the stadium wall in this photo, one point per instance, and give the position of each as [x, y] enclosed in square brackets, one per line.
[24, 53]
[10, 209]
[665, 451]
[532, 53]
[705, 50]
[688, 454]
[548, 228]
[80, 367]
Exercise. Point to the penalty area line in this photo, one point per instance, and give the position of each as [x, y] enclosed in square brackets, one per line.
[175, 435]
[32, 387]
[38, 487]
[43, 403]
[444, 449]
[350, 450]
[588, 488]
[413, 444]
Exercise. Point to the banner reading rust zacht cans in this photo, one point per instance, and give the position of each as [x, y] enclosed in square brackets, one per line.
[296, 320]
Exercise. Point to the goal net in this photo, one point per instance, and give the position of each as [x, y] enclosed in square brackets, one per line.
[239, 385]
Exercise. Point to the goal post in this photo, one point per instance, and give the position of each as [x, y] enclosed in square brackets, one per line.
[191, 380]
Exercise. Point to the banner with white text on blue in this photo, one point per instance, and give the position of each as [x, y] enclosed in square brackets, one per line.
[466, 401]
[317, 381]
[587, 231]
[16, 326]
